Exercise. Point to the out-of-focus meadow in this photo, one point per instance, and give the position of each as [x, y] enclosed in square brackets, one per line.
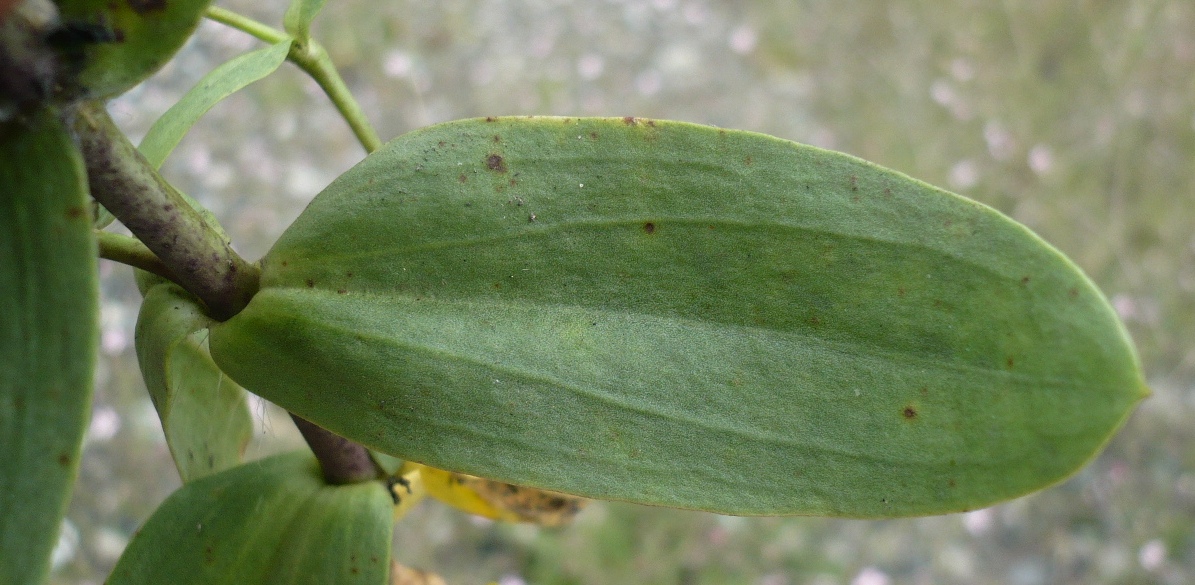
[1076, 118]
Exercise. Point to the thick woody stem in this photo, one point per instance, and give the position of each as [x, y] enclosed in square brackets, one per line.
[126, 184]
[342, 460]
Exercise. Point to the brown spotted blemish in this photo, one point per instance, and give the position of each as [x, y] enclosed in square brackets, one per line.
[1024, 280]
[341, 291]
[142, 7]
[1073, 292]
[462, 178]
[491, 119]
[495, 163]
[749, 160]
[854, 182]
[951, 482]
[593, 135]
[649, 228]
[909, 412]
[64, 459]
[629, 120]
[310, 283]
[497, 139]
[900, 291]
[1009, 362]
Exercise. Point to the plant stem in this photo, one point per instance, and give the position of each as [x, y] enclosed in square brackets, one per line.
[313, 59]
[126, 250]
[127, 185]
[342, 460]
[246, 24]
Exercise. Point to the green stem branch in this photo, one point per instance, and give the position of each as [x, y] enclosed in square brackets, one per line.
[127, 185]
[127, 250]
[313, 59]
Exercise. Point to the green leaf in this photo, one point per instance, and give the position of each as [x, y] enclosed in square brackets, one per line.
[127, 41]
[204, 414]
[680, 315]
[48, 334]
[271, 521]
[299, 16]
[222, 82]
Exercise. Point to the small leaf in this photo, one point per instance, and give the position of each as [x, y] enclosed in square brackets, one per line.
[48, 334]
[222, 82]
[119, 44]
[204, 414]
[272, 521]
[685, 316]
[299, 16]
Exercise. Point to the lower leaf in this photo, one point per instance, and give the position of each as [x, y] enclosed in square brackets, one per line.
[272, 521]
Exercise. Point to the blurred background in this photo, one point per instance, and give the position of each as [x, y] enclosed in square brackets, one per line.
[1076, 118]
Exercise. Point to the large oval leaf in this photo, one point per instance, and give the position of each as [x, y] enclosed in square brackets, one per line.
[272, 521]
[680, 315]
[204, 414]
[49, 297]
[119, 44]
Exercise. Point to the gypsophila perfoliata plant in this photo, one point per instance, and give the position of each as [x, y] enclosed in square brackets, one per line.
[513, 315]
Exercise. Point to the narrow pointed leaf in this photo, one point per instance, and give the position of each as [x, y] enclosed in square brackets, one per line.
[48, 334]
[299, 16]
[272, 521]
[125, 42]
[220, 83]
[204, 413]
[680, 315]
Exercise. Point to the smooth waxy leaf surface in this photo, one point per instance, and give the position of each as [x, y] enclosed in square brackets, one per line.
[222, 82]
[204, 413]
[125, 41]
[272, 521]
[48, 333]
[680, 315]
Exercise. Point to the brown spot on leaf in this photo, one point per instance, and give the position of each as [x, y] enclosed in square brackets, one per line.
[900, 291]
[1024, 280]
[815, 321]
[497, 139]
[651, 123]
[649, 228]
[495, 163]
[909, 412]
[749, 160]
[1009, 362]
[854, 183]
[491, 119]
[629, 120]
[144, 6]
[285, 263]
[74, 212]
[341, 291]
[1073, 292]
[593, 135]
[310, 283]
[64, 459]
[462, 178]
